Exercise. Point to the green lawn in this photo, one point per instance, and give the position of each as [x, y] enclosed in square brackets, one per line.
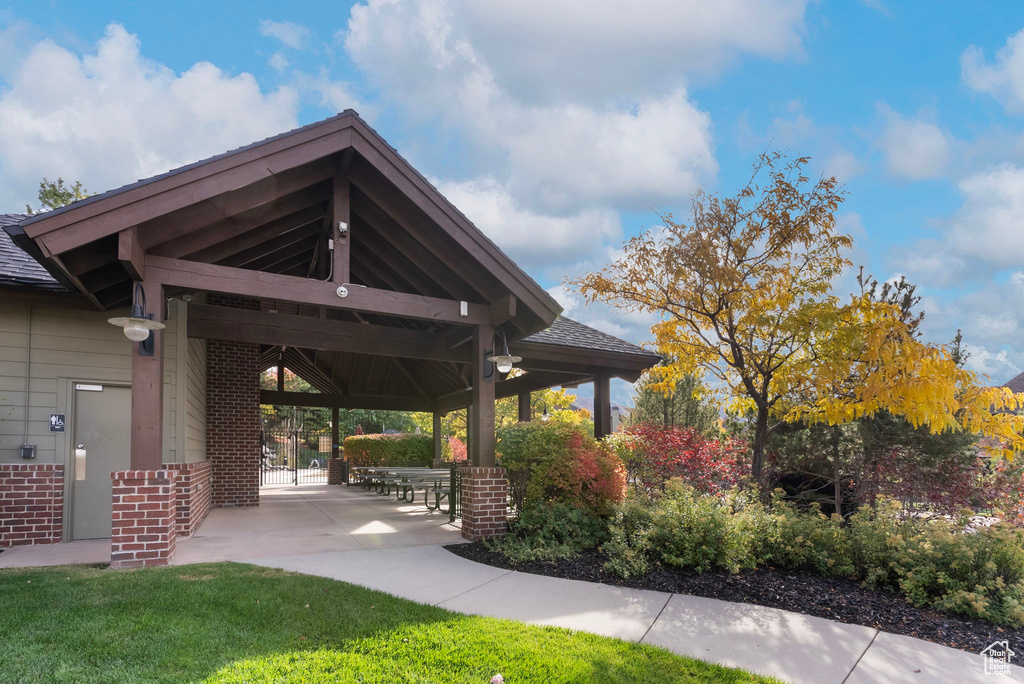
[235, 623]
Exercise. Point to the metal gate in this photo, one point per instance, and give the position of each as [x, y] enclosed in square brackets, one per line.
[295, 444]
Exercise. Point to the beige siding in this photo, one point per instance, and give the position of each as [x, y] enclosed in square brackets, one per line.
[72, 345]
[195, 401]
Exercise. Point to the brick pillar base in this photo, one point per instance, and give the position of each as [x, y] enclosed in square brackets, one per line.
[144, 518]
[484, 503]
[335, 471]
[31, 503]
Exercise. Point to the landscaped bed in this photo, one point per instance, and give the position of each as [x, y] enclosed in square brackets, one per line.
[232, 623]
[837, 599]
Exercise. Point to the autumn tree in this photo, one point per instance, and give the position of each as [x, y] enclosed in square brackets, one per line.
[55, 194]
[745, 294]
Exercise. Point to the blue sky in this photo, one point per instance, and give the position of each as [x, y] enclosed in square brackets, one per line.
[560, 127]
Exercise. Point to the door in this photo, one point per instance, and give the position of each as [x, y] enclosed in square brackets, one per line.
[101, 444]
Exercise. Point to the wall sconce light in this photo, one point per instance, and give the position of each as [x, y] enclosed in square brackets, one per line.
[139, 326]
[503, 361]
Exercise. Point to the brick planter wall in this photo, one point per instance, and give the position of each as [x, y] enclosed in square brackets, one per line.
[484, 503]
[233, 422]
[144, 504]
[193, 495]
[31, 503]
[335, 474]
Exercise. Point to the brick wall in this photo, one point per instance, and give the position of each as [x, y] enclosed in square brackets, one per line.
[31, 503]
[193, 495]
[484, 503]
[233, 422]
[144, 503]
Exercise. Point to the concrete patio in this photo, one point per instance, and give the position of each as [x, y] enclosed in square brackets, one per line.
[290, 520]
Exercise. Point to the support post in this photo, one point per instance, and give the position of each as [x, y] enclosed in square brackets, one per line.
[602, 406]
[481, 424]
[335, 433]
[148, 391]
[438, 448]
[340, 214]
[525, 414]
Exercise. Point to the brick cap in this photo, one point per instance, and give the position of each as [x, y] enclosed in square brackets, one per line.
[142, 475]
[478, 471]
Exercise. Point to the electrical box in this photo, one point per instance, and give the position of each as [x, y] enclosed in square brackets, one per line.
[28, 450]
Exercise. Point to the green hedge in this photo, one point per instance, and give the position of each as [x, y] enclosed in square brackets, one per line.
[389, 450]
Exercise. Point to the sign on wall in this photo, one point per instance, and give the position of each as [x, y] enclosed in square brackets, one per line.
[58, 421]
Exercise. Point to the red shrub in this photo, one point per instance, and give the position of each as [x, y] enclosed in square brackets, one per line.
[458, 449]
[658, 454]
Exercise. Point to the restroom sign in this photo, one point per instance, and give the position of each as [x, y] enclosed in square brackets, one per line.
[58, 421]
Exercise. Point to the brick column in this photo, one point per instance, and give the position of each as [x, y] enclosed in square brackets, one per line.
[193, 494]
[233, 422]
[31, 503]
[484, 503]
[335, 468]
[144, 518]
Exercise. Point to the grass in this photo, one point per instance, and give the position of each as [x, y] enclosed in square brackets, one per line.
[231, 623]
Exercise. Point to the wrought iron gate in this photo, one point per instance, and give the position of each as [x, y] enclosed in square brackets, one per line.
[295, 444]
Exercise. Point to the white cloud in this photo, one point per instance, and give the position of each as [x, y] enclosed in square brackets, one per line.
[626, 325]
[559, 157]
[531, 239]
[990, 224]
[913, 148]
[112, 116]
[293, 35]
[998, 367]
[1003, 79]
[593, 49]
[278, 62]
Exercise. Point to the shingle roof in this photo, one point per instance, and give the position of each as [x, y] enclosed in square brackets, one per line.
[1016, 384]
[17, 267]
[568, 333]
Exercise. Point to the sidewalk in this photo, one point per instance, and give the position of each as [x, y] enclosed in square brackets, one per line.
[794, 647]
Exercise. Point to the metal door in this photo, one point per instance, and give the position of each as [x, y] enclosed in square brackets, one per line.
[101, 444]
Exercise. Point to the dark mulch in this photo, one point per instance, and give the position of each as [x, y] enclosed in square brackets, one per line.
[836, 599]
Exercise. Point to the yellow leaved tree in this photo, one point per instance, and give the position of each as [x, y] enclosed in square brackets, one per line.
[745, 294]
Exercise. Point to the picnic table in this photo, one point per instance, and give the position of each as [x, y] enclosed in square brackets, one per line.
[407, 482]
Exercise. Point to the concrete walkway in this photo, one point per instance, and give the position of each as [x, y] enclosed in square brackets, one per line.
[796, 648]
[289, 520]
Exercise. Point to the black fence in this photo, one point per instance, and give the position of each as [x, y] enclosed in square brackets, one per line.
[295, 445]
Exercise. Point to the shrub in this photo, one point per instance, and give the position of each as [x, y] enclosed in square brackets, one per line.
[389, 450]
[559, 462]
[656, 454]
[550, 531]
[807, 540]
[943, 564]
[629, 539]
[458, 449]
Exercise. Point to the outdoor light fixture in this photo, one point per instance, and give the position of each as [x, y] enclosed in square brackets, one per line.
[140, 325]
[504, 361]
[545, 416]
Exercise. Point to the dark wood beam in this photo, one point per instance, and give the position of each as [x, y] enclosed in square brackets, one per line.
[503, 310]
[481, 427]
[341, 223]
[104, 216]
[240, 325]
[227, 280]
[254, 238]
[129, 253]
[525, 410]
[348, 401]
[530, 382]
[147, 443]
[175, 242]
[602, 406]
[436, 433]
[395, 240]
[270, 245]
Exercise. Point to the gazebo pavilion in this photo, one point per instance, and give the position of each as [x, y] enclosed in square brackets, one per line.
[322, 251]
